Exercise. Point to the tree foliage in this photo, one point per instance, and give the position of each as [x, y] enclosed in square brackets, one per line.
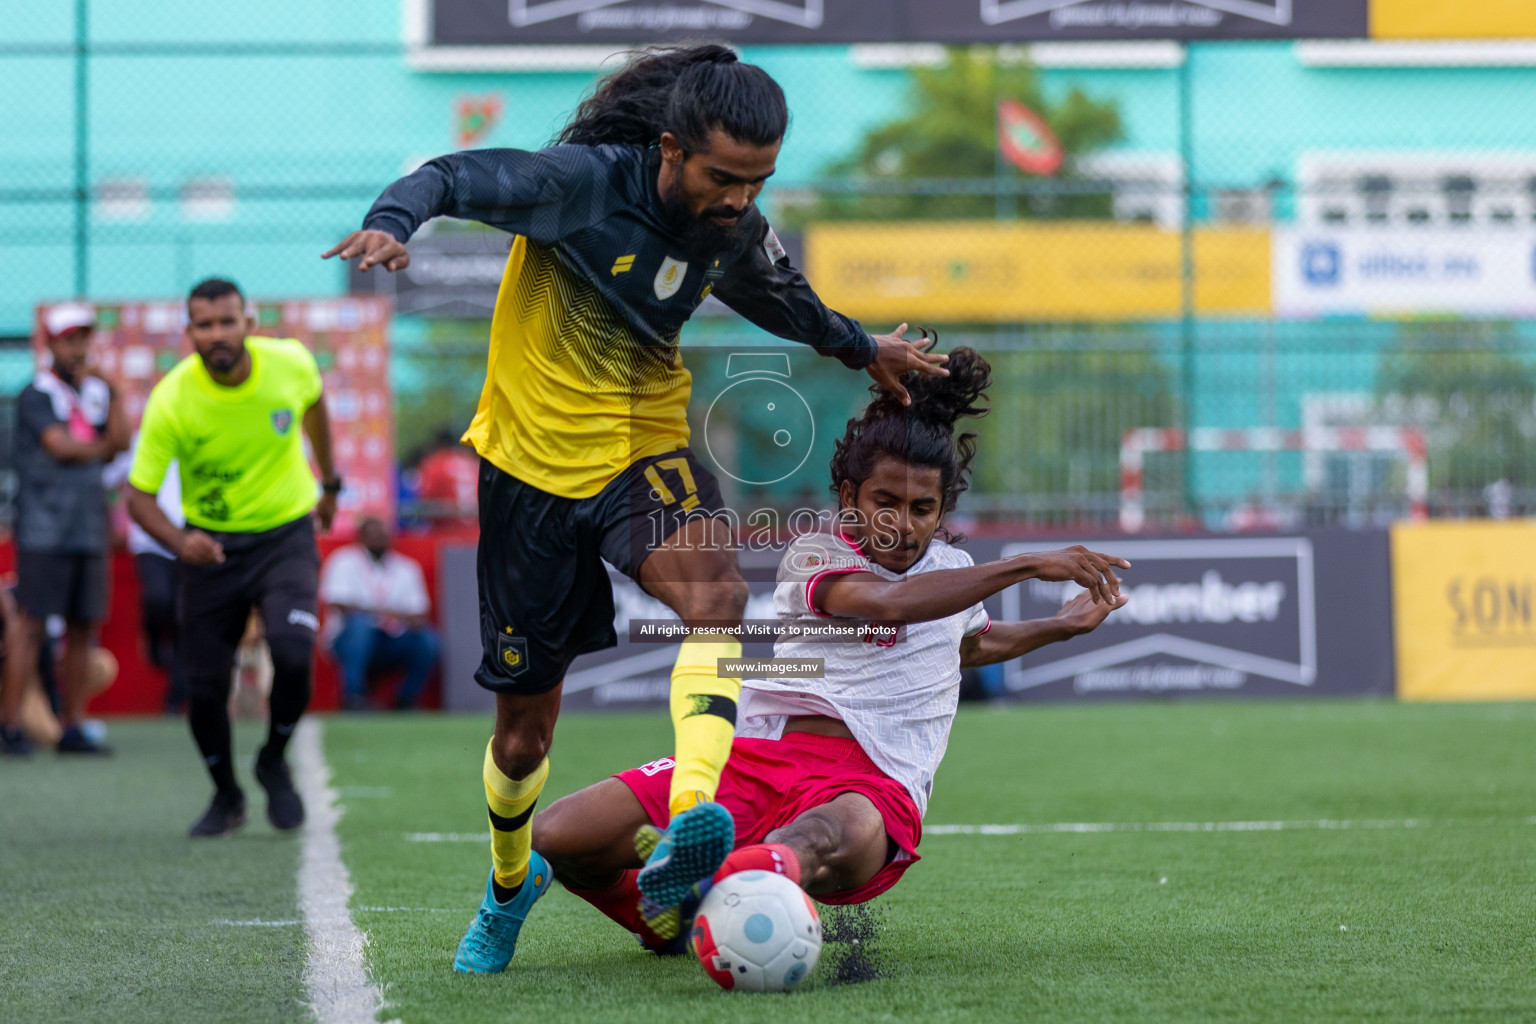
[1052, 442]
[950, 132]
[1468, 385]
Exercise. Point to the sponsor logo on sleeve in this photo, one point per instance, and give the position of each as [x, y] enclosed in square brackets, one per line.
[774, 248]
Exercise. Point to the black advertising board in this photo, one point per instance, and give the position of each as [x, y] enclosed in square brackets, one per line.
[623, 22]
[1262, 616]
[1210, 616]
[452, 273]
[1003, 21]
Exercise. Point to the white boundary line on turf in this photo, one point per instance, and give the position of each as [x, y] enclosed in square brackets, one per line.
[340, 991]
[1320, 825]
[1090, 827]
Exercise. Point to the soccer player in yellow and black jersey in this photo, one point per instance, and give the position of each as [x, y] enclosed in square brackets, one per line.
[230, 415]
[643, 208]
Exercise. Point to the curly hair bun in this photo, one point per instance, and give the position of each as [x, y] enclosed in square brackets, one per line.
[942, 401]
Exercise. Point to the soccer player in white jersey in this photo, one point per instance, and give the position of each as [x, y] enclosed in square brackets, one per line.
[829, 777]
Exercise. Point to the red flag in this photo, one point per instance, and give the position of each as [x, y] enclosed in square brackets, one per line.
[1025, 140]
[474, 117]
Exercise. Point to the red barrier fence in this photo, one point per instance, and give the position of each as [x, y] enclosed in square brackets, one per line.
[140, 688]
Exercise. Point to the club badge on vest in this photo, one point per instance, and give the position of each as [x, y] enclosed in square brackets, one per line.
[282, 419]
[670, 277]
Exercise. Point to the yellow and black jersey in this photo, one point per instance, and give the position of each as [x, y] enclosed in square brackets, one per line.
[584, 374]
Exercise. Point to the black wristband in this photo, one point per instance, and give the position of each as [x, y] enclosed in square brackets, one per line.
[332, 486]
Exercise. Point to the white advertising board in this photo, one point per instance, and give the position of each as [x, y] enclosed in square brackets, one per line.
[1387, 272]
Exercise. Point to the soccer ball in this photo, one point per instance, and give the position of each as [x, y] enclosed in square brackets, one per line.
[756, 931]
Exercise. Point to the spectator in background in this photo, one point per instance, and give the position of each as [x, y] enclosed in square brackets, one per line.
[69, 425]
[377, 607]
[156, 569]
[157, 592]
[39, 705]
[449, 481]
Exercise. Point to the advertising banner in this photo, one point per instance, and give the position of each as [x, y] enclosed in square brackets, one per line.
[1391, 272]
[1267, 616]
[521, 22]
[622, 22]
[636, 673]
[452, 274]
[1436, 19]
[981, 270]
[1000, 21]
[1464, 600]
[1264, 616]
[137, 342]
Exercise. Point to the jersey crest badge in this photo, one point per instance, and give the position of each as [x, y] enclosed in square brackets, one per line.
[512, 651]
[670, 277]
[282, 419]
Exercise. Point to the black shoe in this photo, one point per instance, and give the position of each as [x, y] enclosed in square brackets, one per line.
[223, 816]
[14, 742]
[284, 808]
[76, 742]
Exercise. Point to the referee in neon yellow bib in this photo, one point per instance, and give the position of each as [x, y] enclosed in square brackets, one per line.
[231, 415]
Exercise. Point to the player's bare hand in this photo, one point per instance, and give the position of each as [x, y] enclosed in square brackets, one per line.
[1083, 614]
[197, 548]
[370, 249]
[325, 511]
[1092, 571]
[894, 356]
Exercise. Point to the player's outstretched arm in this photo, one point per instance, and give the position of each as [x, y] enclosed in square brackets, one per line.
[1008, 640]
[945, 592]
[541, 194]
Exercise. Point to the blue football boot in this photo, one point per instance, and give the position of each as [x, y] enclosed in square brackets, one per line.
[690, 850]
[488, 946]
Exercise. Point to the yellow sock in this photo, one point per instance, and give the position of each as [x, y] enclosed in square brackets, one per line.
[703, 719]
[510, 803]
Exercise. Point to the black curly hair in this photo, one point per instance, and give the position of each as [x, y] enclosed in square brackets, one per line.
[922, 434]
[688, 90]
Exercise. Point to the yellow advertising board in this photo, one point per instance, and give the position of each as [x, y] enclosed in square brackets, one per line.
[985, 271]
[1464, 609]
[1452, 19]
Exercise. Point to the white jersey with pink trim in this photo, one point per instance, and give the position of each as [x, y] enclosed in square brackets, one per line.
[897, 695]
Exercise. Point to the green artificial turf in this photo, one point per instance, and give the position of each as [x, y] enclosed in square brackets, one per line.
[1372, 921]
[107, 912]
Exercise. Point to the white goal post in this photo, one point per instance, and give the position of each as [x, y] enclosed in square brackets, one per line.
[1136, 443]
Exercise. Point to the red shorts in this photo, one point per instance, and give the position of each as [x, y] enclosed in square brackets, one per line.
[769, 783]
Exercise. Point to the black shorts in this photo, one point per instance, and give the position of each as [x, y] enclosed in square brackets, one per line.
[544, 592]
[71, 584]
[276, 572]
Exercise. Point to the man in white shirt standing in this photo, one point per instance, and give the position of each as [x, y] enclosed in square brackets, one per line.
[156, 567]
[377, 616]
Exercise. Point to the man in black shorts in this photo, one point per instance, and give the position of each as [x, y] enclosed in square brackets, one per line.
[69, 424]
[231, 416]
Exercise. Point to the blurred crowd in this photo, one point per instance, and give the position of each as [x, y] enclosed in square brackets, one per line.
[72, 450]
